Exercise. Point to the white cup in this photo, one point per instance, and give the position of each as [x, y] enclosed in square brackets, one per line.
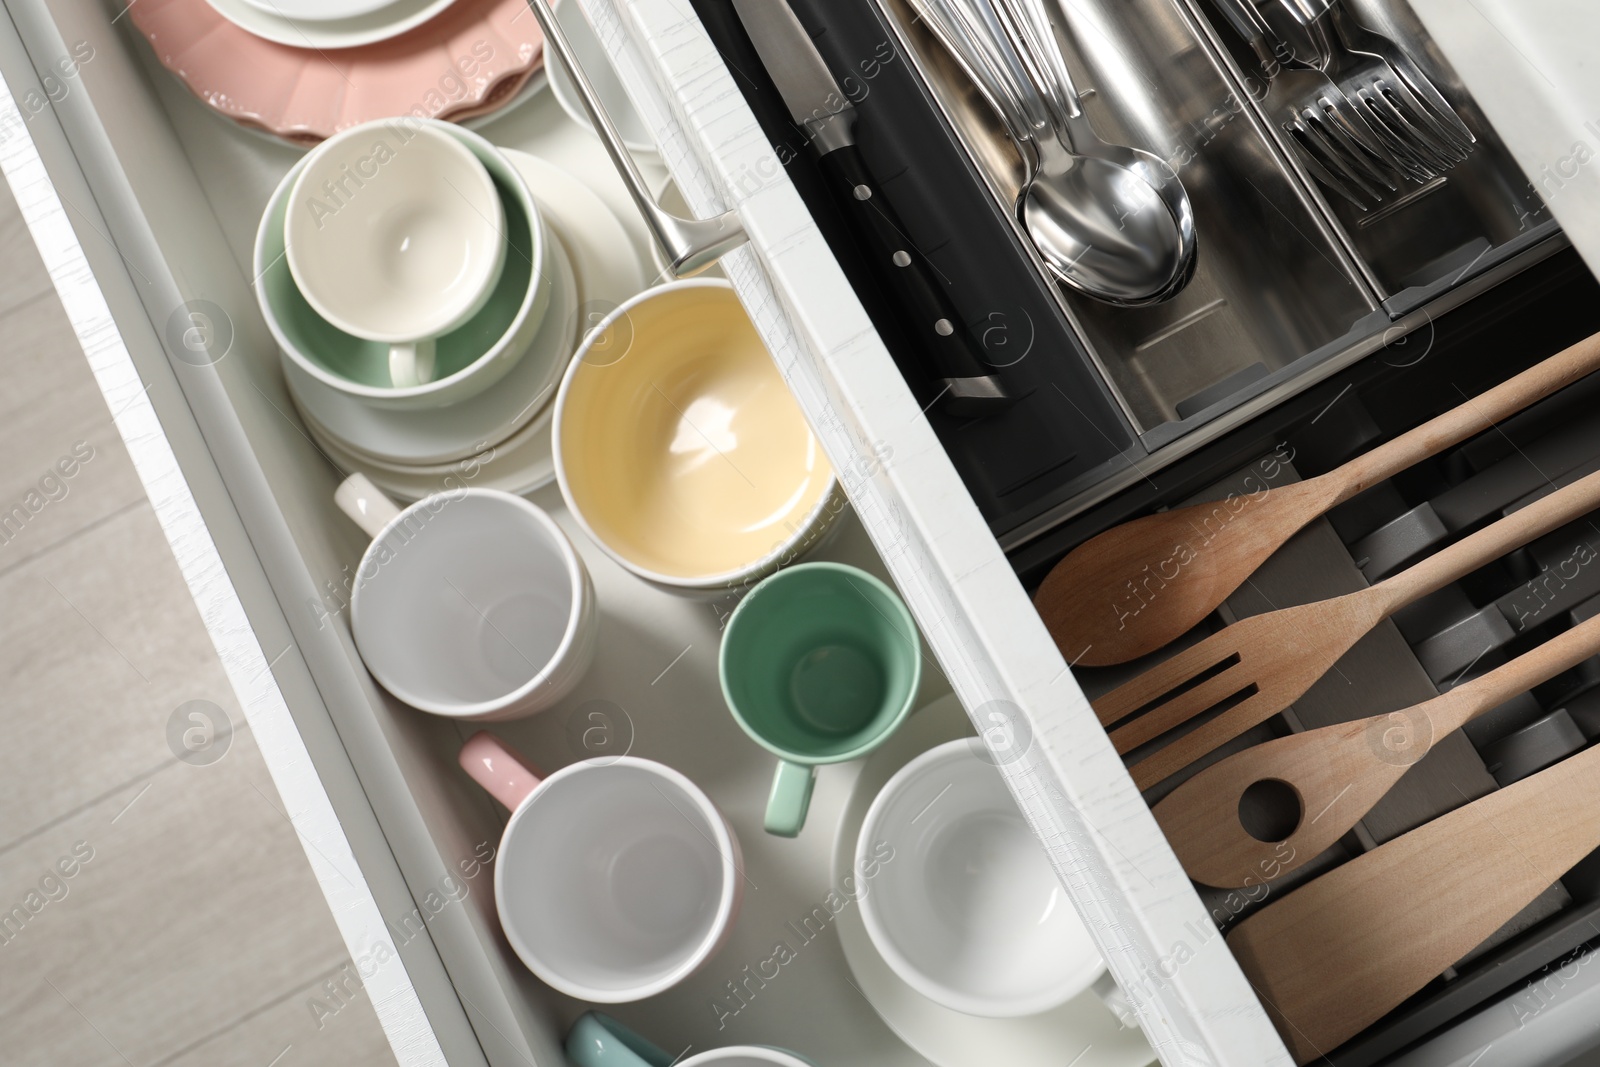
[395, 233]
[970, 913]
[470, 603]
[616, 878]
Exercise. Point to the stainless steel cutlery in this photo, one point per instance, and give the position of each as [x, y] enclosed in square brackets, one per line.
[1110, 221]
[1361, 115]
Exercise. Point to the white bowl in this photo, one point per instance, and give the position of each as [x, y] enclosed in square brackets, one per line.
[968, 911]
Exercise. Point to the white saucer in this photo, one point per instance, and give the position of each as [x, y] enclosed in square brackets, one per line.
[1083, 1027]
[607, 270]
[629, 123]
[321, 10]
[429, 436]
[390, 20]
[596, 62]
[518, 465]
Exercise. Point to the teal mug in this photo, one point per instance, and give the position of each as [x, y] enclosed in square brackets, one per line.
[597, 1040]
[819, 664]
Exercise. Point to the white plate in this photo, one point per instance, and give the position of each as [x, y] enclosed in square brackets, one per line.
[389, 20]
[603, 75]
[607, 271]
[321, 10]
[1082, 1032]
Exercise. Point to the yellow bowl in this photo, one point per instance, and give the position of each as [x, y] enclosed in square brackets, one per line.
[679, 448]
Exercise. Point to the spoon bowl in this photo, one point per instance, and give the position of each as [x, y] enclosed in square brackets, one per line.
[1104, 230]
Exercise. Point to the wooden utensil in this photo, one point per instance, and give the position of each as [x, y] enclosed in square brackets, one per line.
[1136, 587]
[1265, 662]
[1337, 772]
[1336, 955]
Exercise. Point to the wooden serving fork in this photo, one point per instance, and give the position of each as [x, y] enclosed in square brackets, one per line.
[1265, 662]
[1197, 555]
[1338, 772]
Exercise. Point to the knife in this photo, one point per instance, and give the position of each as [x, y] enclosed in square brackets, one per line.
[969, 389]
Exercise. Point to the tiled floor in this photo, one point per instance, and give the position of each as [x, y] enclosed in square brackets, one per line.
[152, 911]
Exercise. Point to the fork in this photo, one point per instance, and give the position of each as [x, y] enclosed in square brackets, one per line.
[1250, 671]
[1416, 123]
[1334, 142]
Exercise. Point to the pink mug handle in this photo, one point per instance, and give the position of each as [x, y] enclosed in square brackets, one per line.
[493, 765]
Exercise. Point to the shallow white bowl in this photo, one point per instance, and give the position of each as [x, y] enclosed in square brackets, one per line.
[968, 911]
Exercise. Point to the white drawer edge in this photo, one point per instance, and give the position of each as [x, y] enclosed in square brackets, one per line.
[1529, 64]
[1194, 1002]
[365, 934]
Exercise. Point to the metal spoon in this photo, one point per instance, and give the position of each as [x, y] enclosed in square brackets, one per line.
[1102, 225]
[1036, 40]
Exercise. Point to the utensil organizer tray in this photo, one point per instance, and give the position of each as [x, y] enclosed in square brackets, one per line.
[1447, 638]
[144, 204]
[1289, 286]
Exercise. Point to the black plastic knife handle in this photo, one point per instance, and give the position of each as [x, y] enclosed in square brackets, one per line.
[971, 388]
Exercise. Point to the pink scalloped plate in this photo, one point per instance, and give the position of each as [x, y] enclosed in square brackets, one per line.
[473, 56]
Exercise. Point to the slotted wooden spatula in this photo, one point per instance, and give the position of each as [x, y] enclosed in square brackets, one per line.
[1265, 662]
[1337, 772]
[1338, 954]
[1137, 587]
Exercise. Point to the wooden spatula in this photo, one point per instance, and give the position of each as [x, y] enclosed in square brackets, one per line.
[1338, 954]
[1136, 587]
[1337, 772]
[1265, 662]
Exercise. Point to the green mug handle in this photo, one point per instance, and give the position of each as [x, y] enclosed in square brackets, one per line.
[790, 798]
[597, 1040]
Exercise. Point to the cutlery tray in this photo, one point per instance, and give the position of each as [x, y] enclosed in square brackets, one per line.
[1287, 290]
[1447, 638]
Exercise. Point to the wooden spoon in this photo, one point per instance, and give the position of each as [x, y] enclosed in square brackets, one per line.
[1337, 772]
[1262, 664]
[1140, 585]
[1338, 954]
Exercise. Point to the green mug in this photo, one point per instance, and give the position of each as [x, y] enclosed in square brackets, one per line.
[597, 1040]
[819, 664]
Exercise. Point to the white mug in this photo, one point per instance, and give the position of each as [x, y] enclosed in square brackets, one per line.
[395, 233]
[470, 603]
[970, 914]
[616, 878]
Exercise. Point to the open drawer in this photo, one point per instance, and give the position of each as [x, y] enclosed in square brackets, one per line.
[144, 205]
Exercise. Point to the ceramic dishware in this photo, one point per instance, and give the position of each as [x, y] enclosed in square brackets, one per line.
[602, 73]
[819, 664]
[470, 604]
[332, 24]
[468, 359]
[616, 878]
[598, 1040]
[679, 447]
[1101, 1019]
[395, 232]
[1191, 558]
[969, 912]
[446, 60]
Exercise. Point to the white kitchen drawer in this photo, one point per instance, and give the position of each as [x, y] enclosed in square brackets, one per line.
[144, 203]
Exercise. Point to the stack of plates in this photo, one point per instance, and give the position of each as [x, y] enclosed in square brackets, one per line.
[499, 439]
[306, 69]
